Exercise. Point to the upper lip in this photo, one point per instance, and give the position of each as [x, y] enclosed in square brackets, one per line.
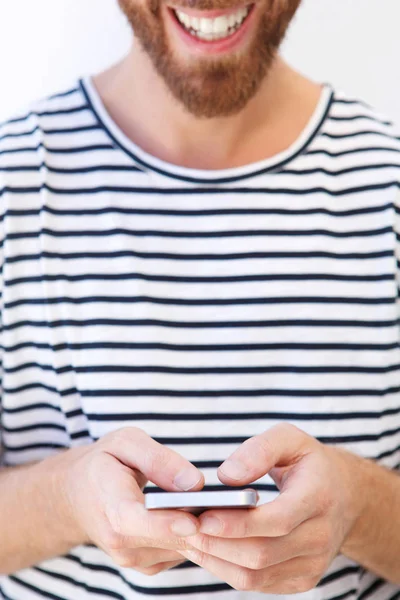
[210, 14]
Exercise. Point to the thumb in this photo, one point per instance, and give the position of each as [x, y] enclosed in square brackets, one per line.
[281, 446]
[155, 462]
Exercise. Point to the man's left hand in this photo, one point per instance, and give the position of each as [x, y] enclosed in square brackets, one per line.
[284, 546]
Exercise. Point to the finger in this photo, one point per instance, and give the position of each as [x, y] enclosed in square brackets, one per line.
[160, 568]
[161, 465]
[281, 445]
[122, 501]
[146, 557]
[237, 577]
[309, 539]
[302, 498]
[280, 578]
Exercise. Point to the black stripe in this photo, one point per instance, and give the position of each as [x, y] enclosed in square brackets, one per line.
[387, 453]
[180, 191]
[90, 589]
[80, 434]
[338, 439]
[77, 412]
[33, 588]
[201, 324]
[202, 279]
[340, 136]
[195, 589]
[234, 393]
[248, 393]
[337, 173]
[199, 347]
[35, 427]
[239, 416]
[200, 302]
[161, 212]
[218, 180]
[359, 117]
[337, 100]
[65, 94]
[72, 150]
[47, 113]
[198, 257]
[38, 446]
[81, 129]
[4, 595]
[339, 575]
[41, 386]
[374, 587]
[237, 370]
[198, 234]
[351, 592]
[360, 150]
[38, 406]
[70, 171]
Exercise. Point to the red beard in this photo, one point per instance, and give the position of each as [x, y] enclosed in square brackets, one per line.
[215, 87]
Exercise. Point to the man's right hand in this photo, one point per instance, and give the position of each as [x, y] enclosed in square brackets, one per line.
[103, 483]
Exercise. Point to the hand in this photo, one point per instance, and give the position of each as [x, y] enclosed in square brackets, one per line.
[102, 486]
[284, 546]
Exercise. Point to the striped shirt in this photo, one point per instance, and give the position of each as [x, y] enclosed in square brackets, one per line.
[201, 306]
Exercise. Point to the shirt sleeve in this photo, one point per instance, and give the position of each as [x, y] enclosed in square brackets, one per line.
[2, 216]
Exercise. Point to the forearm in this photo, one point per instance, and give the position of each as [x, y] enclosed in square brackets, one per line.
[34, 517]
[374, 541]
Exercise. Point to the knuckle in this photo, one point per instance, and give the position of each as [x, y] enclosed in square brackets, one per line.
[204, 543]
[285, 526]
[259, 560]
[317, 567]
[112, 540]
[323, 540]
[151, 571]
[288, 429]
[126, 434]
[244, 580]
[157, 460]
[124, 560]
[325, 500]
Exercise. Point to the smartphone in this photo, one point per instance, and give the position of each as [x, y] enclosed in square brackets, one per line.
[198, 502]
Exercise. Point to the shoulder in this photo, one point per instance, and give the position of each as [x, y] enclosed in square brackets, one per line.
[47, 125]
[350, 116]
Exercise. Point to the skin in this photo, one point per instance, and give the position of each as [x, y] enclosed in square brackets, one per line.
[195, 118]
[285, 546]
[331, 501]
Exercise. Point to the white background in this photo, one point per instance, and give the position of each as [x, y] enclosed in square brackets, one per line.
[46, 44]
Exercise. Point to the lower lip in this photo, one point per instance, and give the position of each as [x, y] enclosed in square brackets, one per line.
[233, 42]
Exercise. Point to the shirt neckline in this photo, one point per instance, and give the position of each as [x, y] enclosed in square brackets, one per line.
[202, 176]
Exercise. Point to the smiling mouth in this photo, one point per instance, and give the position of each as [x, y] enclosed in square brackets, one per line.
[212, 29]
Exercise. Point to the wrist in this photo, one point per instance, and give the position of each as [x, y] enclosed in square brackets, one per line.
[56, 472]
[358, 481]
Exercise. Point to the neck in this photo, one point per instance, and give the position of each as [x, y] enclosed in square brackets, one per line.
[270, 123]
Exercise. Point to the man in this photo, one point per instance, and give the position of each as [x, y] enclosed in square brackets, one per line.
[199, 263]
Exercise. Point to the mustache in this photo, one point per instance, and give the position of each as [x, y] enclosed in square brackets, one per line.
[201, 5]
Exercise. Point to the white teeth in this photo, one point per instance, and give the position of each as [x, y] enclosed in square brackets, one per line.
[206, 25]
[232, 20]
[221, 24]
[210, 29]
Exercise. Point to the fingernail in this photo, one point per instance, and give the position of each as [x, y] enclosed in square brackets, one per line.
[233, 469]
[187, 479]
[211, 526]
[183, 527]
